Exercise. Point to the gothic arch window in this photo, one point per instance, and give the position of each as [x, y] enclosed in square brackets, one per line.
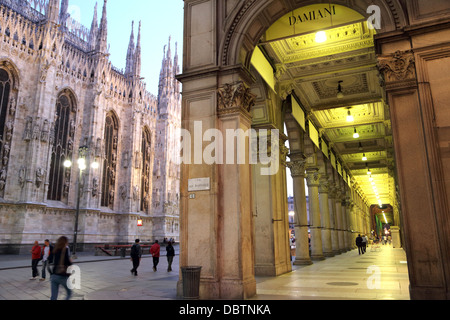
[146, 169]
[110, 161]
[63, 145]
[7, 113]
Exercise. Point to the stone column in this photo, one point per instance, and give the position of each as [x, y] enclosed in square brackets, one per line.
[313, 180]
[297, 166]
[333, 220]
[340, 232]
[324, 204]
[272, 249]
[325, 213]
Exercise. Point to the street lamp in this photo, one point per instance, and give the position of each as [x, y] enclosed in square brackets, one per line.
[82, 165]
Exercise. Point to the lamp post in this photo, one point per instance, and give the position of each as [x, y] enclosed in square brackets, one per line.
[82, 165]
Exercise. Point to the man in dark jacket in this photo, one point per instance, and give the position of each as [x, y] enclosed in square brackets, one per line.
[136, 255]
[359, 243]
[170, 254]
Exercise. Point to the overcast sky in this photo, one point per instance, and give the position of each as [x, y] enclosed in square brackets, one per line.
[160, 19]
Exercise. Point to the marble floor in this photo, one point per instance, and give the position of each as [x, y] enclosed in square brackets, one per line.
[380, 274]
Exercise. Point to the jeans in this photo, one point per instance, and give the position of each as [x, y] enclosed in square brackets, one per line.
[45, 268]
[34, 265]
[155, 262]
[136, 263]
[360, 249]
[169, 261]
[56, 282]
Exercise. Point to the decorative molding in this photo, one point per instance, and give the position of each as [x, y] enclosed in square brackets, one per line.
[297, 168]
[313, 177]
[234, 98]
[398, 69]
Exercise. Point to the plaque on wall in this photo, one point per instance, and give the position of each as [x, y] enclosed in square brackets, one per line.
[202, 184]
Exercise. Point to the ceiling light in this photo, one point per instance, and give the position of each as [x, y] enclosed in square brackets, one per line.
[369, 172]
[321, 37]
[340, 94]
[364, 158]
[356, 134]
[350, 118]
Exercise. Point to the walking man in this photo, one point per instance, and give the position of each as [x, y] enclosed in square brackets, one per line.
[170, 254]
[136, 255]
[359, 244]
[45, 259]
[364, 243]
[155, 251]
[36, 256]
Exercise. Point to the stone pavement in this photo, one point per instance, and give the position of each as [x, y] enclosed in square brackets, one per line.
[102, 278]
[377, 275]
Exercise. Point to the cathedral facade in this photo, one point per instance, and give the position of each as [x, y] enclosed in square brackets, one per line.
[61, 100]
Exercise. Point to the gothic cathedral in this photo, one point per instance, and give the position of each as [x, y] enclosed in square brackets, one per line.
[61, 100]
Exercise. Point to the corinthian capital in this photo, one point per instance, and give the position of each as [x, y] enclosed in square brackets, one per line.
[398, 68]
[234, 98]
[313, 177]
[297, 168]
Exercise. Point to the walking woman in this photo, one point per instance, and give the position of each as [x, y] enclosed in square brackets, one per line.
[61, 262]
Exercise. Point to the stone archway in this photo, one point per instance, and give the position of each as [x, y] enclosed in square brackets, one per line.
[254, 17]
[216, 223]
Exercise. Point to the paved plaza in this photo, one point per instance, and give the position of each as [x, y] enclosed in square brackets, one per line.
[377, 275]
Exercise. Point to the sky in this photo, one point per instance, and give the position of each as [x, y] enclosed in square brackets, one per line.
[160, 20]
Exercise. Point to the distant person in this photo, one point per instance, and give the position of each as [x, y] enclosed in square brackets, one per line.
[359, 241]
[36, 256]
[364, 243]
[136, 256]
[170, 254]
[155, 252]
[46, 250]
[60, 275]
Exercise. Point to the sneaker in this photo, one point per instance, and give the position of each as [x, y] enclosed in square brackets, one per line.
[42, 279]
[154, 269]
[33, 278]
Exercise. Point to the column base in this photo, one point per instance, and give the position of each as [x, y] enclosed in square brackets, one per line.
[303, 262]
[318, 258]
[328, 254]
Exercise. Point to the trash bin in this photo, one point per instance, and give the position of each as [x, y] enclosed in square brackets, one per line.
[191, 282]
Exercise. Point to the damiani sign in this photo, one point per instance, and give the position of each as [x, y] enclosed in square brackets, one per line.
[312, 15]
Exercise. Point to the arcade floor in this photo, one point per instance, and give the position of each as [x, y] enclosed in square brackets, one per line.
[380, 274]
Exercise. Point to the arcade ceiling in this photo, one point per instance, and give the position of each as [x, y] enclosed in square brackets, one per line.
[344, 62]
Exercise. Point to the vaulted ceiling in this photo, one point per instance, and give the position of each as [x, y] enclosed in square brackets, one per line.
[313, 71]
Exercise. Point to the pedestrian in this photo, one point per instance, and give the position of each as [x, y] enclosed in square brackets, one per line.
[36, 256]
[364, 243]
[136, 255]
[170, 254]
[359, 244]
[46, 251]
[155, 251]
[60, 274]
